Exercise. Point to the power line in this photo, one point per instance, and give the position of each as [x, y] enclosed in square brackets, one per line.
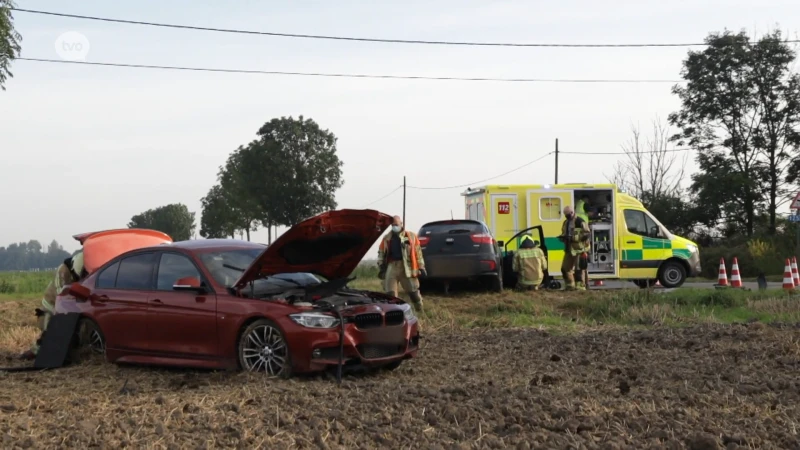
[362, 39]
[485, 179]
[385, 196]
[347, 75]
[628, 153]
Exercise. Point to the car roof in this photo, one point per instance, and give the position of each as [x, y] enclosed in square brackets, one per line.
[211, 244]
[453, 222]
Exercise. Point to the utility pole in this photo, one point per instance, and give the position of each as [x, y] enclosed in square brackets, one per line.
[556, 161]
[404, 200]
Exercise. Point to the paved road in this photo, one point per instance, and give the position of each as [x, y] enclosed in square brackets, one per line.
[694, 285]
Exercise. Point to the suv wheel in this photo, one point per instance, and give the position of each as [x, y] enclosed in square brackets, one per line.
[497, 282]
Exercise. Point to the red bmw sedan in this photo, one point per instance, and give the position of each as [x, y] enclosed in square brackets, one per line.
[221, 303]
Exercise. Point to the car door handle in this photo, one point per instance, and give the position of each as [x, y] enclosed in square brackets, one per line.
[156, 302]
[630, 242]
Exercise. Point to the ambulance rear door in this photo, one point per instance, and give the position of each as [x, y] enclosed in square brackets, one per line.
[504, 223]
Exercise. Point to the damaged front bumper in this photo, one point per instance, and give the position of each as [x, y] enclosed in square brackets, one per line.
[368, 347]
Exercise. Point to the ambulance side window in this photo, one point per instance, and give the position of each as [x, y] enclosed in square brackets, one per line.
[549, 208]
[653, 230]
[640, 223]
[635, 222]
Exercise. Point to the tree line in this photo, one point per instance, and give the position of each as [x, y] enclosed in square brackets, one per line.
[739, 116]
[31, 256]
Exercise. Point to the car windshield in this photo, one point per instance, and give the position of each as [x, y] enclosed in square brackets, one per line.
[226, 267]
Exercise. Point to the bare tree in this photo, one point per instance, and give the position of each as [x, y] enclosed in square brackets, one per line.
[650, 169]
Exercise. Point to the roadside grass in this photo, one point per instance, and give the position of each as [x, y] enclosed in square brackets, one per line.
[556, 311]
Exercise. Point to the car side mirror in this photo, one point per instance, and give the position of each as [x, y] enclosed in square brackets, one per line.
[188, 284]
[79, 291]
[501, 244]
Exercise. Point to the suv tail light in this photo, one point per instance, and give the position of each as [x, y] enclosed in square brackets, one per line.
[423, 240]
[483, 238]
[488, 266]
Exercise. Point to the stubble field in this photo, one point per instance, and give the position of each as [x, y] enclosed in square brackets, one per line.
[578, 370]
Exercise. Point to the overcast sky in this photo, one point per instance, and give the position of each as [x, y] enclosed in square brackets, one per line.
[85, 148]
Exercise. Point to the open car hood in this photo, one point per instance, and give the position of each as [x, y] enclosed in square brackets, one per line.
[331, 244]
[100, 247]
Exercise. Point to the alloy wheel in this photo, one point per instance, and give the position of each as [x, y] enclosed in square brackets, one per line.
[264, 349]
[96, 342]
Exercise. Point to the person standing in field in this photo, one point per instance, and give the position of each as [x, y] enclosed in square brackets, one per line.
[70, 271]
[400, 261]
[529, 264]
[575, 236]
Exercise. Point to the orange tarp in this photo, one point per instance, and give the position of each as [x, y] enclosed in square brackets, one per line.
[103, 246]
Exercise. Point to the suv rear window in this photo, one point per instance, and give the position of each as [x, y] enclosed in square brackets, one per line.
[453, 227]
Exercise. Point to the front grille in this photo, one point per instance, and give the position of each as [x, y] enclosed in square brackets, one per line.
[370, 320]
[379, 351]
[394, 318]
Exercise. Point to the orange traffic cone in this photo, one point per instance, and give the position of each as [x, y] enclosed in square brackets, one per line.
[736, 279]
[723, 275]
[795, 274]
[788, 282]
[598, 282]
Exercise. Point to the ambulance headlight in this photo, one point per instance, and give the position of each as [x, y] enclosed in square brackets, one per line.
[691, 248]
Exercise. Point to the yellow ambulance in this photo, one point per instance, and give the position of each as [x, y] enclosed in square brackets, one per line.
[627, 242]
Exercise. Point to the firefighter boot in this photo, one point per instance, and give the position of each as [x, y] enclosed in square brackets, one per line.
[569, 280]
[580, 281]
[416, 300]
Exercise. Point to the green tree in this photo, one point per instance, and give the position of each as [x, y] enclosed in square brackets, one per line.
[9, 41]
[740, 109]
[292, 170]
[219, 218]
[173, 219]
[652, 172]
[242, 208]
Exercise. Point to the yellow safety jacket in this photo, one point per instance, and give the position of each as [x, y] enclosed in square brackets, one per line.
[530, 264]
[580, 211]
[412, 252]
[576, 232]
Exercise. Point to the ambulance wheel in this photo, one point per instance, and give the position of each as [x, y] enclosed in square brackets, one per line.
[672, 274]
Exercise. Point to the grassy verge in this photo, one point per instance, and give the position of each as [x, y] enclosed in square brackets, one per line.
[558, 311]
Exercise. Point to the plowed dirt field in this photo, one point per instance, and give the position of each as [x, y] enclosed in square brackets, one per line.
[702, 387]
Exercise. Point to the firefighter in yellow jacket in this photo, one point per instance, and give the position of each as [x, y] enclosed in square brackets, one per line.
[575, 236]
[529, 263]
[70, 271]
[400, 261]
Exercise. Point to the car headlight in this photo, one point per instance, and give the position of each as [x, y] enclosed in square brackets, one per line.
[691, 248]
[314, 320]
[407, 312]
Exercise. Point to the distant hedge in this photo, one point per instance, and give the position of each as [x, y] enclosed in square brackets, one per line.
[754, 257]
